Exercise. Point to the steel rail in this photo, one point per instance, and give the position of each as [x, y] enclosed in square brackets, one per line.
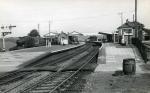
[15, 86]
[72, 74]
[56, 73]
[14, 78]
[49, 53]
[33, 85]
[11, 74]
[43, 81]
[64, 57]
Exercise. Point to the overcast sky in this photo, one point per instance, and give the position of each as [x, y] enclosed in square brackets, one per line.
[85, 16]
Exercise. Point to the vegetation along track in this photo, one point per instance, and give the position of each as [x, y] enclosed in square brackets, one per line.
[46, 81]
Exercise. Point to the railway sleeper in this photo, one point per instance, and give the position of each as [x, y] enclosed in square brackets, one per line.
[39, 91]
[44, 88]
[51, 82]
[46, 84]
[66, 84]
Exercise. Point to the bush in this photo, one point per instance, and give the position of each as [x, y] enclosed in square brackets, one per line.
[142, 49]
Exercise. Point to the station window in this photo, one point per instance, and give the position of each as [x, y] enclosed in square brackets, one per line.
[127, 31]
[99, 39]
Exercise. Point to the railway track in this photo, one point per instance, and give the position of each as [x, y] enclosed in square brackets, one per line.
[16, 87]
[56, 59]
[64, 57]
[46, 81]
[60, 81]
[12, 78]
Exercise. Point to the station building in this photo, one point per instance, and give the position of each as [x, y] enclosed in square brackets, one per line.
[63, 38]
[75, 37]
[146, 34]
[106, 37]
[130, 30]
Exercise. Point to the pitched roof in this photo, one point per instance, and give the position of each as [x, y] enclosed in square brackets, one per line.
[51, 33]
[129, 24]
[75, 33]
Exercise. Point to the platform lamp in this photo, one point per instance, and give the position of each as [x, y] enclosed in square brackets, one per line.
[6, 31]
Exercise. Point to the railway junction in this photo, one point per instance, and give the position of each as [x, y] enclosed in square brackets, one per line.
[83, 68]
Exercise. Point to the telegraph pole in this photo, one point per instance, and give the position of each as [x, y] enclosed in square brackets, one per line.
[136, 30]
[49, 42]
[135, 10]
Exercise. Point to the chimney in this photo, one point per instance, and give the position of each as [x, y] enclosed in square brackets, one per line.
[127, 21]
[133, 18]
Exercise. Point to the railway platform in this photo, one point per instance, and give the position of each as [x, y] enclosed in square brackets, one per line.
[11, 60]
[108, 76]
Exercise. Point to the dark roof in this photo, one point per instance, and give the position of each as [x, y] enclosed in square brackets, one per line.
[104, 33]
[129, 24]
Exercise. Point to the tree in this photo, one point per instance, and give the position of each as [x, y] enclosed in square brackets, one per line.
[34, 33]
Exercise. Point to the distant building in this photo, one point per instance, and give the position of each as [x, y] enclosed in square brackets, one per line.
[116, 36]
[146, 34]
[130, 30]
[107, 37]
[92, 38]
[75, 37]
[56, 38]
[63, 38]
[50, 38]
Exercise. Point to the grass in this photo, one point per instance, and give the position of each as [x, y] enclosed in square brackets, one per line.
[9, 42]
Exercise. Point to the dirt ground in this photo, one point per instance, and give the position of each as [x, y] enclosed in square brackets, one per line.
[106, 82]
[108, 79]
